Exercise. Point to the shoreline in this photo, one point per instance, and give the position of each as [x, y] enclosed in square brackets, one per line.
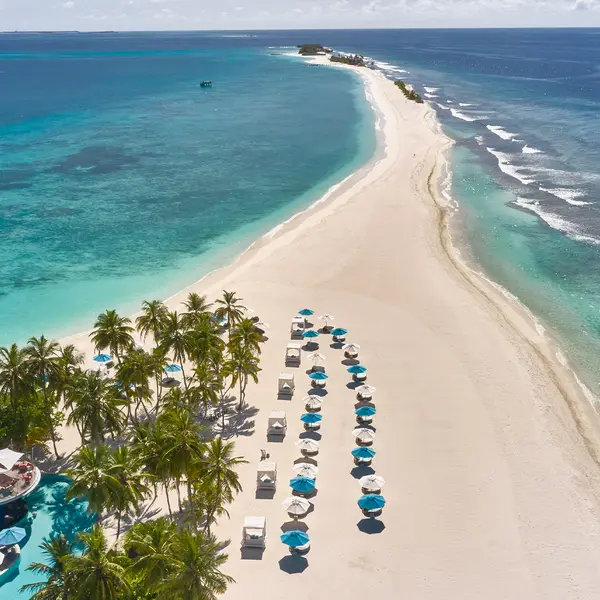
[489, 453]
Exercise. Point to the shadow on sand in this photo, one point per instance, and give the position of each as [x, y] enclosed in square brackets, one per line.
[370, 526]
[293, 564]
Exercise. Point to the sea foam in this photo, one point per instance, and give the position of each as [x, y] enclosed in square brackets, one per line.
[501, 132]
[508, 168]
[529, 150]
[566, 194]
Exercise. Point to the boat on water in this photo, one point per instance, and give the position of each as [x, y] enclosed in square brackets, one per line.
[206, 84]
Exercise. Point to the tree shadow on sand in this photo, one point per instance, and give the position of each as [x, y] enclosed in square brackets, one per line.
[240, 423]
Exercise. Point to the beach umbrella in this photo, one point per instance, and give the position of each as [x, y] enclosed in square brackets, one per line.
[327, 318]
[372, 482]
[313, 402]
[339, 331]
[172, 368]
[366, 436]
[365, 411]
[316, 357]
[303, 485]
[311, 418]
[356, 369]
[12, 536]
[351, 348]
[295, 538]
[103, 358]
[296, 506]
[371, 502]
[306, 470]
[311, 334]
[306, 312]
[318, 376]
[363, 452]
[366, 391]
[307, 445]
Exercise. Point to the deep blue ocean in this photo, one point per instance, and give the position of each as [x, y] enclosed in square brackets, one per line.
[121, 179]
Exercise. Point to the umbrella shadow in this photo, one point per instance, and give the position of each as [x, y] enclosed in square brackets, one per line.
[336, 345]
[317, 392]
[251, 553]
[310, 435]
[307, 459]
[362, 403]
[294, 525]
[310, 346]
[370, 526]
[350, 362]
[352, 385]
[293, 564]
[362, 471]
[312, 494]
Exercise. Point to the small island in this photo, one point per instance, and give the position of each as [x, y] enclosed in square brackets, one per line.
[313, 50]
[408, 91]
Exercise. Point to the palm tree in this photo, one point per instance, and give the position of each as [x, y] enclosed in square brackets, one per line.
[246, 335]
[94, 407]
[219, 473]
[93, 480]
[43, 363]
[150, 546]
[135, 371]
[15, 380]
[98, 572]
[57, 551]
[152, 318]
[195, 570]
[125, 466]
[230, 308]
[113, 332]
[196, 305]
[241, 367]
[175, 340]
[181, 445]
[204, 391]
[204, 338]
[70, 358]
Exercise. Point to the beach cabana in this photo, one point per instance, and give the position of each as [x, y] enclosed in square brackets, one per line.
[307, 446]
[351, 350]
[293, 354]
[339, 334]
[365, 392]
[277, 424]
[286, 384]
[297, 328]
[313, 403]
[266, 476]
[254, 532]
[318, 379]
[372, 484]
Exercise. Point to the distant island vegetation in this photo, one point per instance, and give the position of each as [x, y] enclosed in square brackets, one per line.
[313, 49]
[408, 91]
[356, 60]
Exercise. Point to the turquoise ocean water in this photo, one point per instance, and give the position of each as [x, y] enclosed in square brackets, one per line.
[122, 180]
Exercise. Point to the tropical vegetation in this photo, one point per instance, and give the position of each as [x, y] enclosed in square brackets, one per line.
[408, 91]
[143, 436]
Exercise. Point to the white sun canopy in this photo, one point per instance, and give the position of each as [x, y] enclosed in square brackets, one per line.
[8, 458]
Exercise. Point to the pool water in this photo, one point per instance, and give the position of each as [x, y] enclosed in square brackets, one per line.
[49, 515]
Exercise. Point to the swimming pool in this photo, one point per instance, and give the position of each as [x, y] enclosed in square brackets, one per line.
[50, 515]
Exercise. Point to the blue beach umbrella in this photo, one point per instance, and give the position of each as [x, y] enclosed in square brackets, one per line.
[357, 369]
[172, 368]
[295, 538]
[363, 452]
[302, 484]
[103, 358]
[311, 418]
[365, 411]
[11, 536]
[306, 312]
[319, 376]
[338, 331]
[371, 502]
[311, 333]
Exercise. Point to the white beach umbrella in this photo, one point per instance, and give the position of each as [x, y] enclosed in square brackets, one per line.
[307, 445]
[366, 391]
[306, 470]
[372, 483]
[313, 402]
[364, 435]
[296, 506]
[316, 357]
[327, 318]
[351, 348]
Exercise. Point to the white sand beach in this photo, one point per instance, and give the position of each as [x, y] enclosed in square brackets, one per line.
[488, 447]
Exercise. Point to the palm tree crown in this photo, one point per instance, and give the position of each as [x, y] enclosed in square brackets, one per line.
[113, 332]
